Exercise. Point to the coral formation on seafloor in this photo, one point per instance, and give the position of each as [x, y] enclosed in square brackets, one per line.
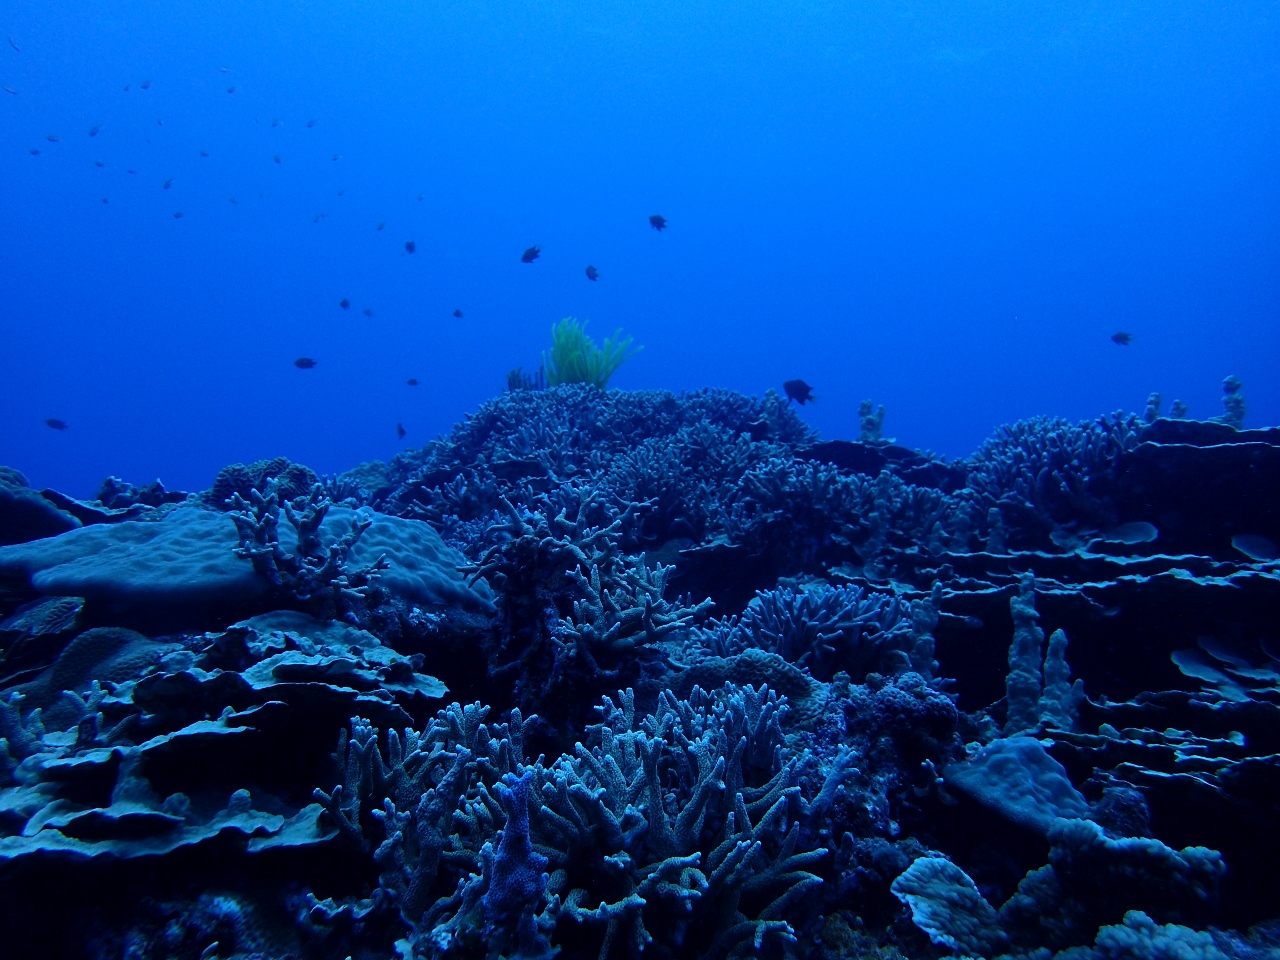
[608, 675]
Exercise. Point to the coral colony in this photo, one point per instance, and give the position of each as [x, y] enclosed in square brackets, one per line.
[609, 674]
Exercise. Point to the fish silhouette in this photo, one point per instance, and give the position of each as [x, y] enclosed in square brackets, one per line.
[531, 255]
[54, 423]
[410, 246]
[799, 391]
[344, 303]
[658, 221]
[1122, 339]
[592, 273]
[304, 363]
[400, 431]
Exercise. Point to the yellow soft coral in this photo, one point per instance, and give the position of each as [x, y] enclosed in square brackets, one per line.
[575, 358]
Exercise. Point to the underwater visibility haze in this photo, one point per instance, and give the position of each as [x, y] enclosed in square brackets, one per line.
[640, 480]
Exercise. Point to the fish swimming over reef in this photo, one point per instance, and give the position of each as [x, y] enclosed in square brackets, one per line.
[53, 423]
[400, 431]
[531, 255]
[1122, 339]
[658, 221]
[304, 363]
[592, 273]
[799, 391]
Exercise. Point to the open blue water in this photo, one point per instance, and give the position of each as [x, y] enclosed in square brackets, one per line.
[948, 207]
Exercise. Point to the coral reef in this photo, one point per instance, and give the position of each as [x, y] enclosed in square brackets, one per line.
[635, 674]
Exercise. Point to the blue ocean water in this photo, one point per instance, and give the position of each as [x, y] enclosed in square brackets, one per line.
[947, 207]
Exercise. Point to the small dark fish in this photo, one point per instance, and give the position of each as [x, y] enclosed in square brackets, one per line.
[177, 214]
[234, 200]
[316, 218]
[1122, 339]
[458, 314]
[658, 221]
[420, 196]
[276, 123]
[337, 156]
[592, 273]
[93, 131]
[167, 184]
[799, 391]
[204, 153]
[98, 163]
[145, 84]
[382, 224]
[344, 303]
[367, 312]
[53, 138]
[410, 246]
[105, 200]
[11, 90]
[531, 255]
[231, 89]
[131, 171]
[342, 192]
[276, 158]
[126, 88]
[54, 423]
[159, 123]
[400, 431]
[310, 124]
[304, 363]
[224, 69]
[15, 46]
[412, 381]
[34, 152]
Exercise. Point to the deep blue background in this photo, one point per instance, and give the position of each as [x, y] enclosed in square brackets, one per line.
[946, 206]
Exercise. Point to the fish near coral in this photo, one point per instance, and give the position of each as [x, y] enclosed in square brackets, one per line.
[799, 391]
[400, 431]
[531, 255]
[592, 273]
[53, 423]
[658, 222]
[304, 363]
[1122, 339]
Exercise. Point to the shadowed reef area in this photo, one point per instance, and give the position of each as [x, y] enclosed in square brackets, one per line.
[633, 674]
